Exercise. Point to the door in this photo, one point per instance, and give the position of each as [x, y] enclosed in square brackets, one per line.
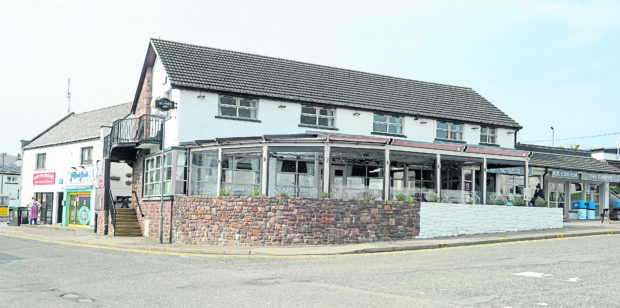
[78, 213]
[557, 196]
[47, 207]
[59, 200]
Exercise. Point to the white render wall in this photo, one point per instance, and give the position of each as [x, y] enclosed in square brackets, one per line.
[442, 219]
[11, 189]
[196, 119]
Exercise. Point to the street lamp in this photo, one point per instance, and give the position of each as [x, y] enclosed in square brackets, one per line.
[552, 136]
[2, 182]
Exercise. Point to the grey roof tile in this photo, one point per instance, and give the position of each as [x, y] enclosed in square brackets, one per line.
[570, 162]
[223, 70]
[10, 169]
[80, 126]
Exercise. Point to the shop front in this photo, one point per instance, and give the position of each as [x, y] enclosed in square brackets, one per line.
[78, 191]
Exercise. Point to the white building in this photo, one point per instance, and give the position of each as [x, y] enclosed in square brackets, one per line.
[62, 167]
[10, 178]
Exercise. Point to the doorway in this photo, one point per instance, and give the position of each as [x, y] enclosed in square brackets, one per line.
[59, 207]
[78, 209]
[557, 196]
[47, 206]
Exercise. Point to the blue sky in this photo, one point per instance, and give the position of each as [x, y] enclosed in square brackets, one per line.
[544, 63]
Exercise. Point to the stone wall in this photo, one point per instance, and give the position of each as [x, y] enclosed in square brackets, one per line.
[287, 221]
[441, 219]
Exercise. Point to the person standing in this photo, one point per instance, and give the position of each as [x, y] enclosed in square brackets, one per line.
[34, 211]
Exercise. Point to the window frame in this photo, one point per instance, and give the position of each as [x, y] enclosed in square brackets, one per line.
[317, 116]
[166, 172]
[41, 161]
[90, 154]
[237, 107]
[203, 172]
[231, 160]
[388, 123]
[488, 132]
[449, 130]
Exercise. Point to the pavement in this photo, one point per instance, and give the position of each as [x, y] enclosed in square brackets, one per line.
[85, 237]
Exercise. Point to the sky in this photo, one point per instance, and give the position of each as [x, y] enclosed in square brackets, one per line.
[544, 63]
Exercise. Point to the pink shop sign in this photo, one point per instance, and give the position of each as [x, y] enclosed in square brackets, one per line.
[44, 178]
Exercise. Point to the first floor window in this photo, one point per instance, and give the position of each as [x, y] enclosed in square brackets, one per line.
[172, 171]
[86, 157]
[387, 124]
[488, 135]
[237, 107]
[152, 175]
[317, 116]
[450, 131]
[41, 161]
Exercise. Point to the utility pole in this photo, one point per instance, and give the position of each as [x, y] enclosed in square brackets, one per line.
[552, 136]
[2, 184]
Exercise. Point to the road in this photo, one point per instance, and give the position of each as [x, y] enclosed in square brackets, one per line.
[564, 272]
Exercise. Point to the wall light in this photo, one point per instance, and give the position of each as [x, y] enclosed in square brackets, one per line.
[475, 127]
[510, 132]
[200, 96]
[416, 117]
[356, 114]
[423, 122]
[282, 106]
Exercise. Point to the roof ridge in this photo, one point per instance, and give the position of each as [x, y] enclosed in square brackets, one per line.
[308, 63]
[102, 108]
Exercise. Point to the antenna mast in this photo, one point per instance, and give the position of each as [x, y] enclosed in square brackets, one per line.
[69, 95]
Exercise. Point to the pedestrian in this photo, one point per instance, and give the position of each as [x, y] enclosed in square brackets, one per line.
[605, 214]
[539, 193]
[34, 211]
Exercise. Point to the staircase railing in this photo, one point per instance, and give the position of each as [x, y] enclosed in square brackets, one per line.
[112, 209]
[137, 202]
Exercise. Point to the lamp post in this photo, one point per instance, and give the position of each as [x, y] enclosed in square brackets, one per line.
[2, 182]
[552, 136]
[163, 104]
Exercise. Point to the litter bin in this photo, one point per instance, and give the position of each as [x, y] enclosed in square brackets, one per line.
[18, 215]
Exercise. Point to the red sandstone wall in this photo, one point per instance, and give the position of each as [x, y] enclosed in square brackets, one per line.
[283, 221]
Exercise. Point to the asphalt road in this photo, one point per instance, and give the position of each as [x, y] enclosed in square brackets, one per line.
[556, 273]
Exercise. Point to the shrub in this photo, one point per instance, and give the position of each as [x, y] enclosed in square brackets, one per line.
[540, 202]
[255, 193]
[430, 196]
[519, 201]
[409, 199]
[502, 200]
[367, 195]
[401, 197]
[224, 192]
[324, 195]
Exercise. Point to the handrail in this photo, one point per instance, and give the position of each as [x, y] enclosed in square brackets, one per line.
[146, 128]
[112, 209]
[138, 202]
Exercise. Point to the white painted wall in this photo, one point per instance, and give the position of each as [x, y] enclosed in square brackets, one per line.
[11, 188]
[196, 119]
[442, 219]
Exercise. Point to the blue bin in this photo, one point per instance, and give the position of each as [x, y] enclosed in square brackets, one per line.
[574, 205]
[581, 204]
[591, 205]
[583, 213]
[617, 203]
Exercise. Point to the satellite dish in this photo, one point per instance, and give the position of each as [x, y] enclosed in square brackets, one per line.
[164, 104]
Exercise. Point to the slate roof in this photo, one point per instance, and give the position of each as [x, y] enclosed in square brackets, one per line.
[570, 162]
[214, 69]
[80, 126]
[10, 169]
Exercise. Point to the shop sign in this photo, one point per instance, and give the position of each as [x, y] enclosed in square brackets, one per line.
[79, 177]
[564, 174]
[45, 178]
[510, 170]
[599, 177]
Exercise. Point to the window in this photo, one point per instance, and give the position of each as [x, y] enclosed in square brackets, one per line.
[317, 116]
[86, 158]
[488, 135]
[387, 124]
[41, 161]
[11, 179]
[204, 173]
[152, 174]
[237, 107]
[174, 174]
[449, 131]
[241, 173]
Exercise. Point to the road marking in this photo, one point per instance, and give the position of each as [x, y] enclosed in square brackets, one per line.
[545, 276]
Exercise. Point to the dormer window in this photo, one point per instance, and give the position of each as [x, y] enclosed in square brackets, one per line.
[317, 116]
[237, 107]
[450, 131]
[488, 135]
